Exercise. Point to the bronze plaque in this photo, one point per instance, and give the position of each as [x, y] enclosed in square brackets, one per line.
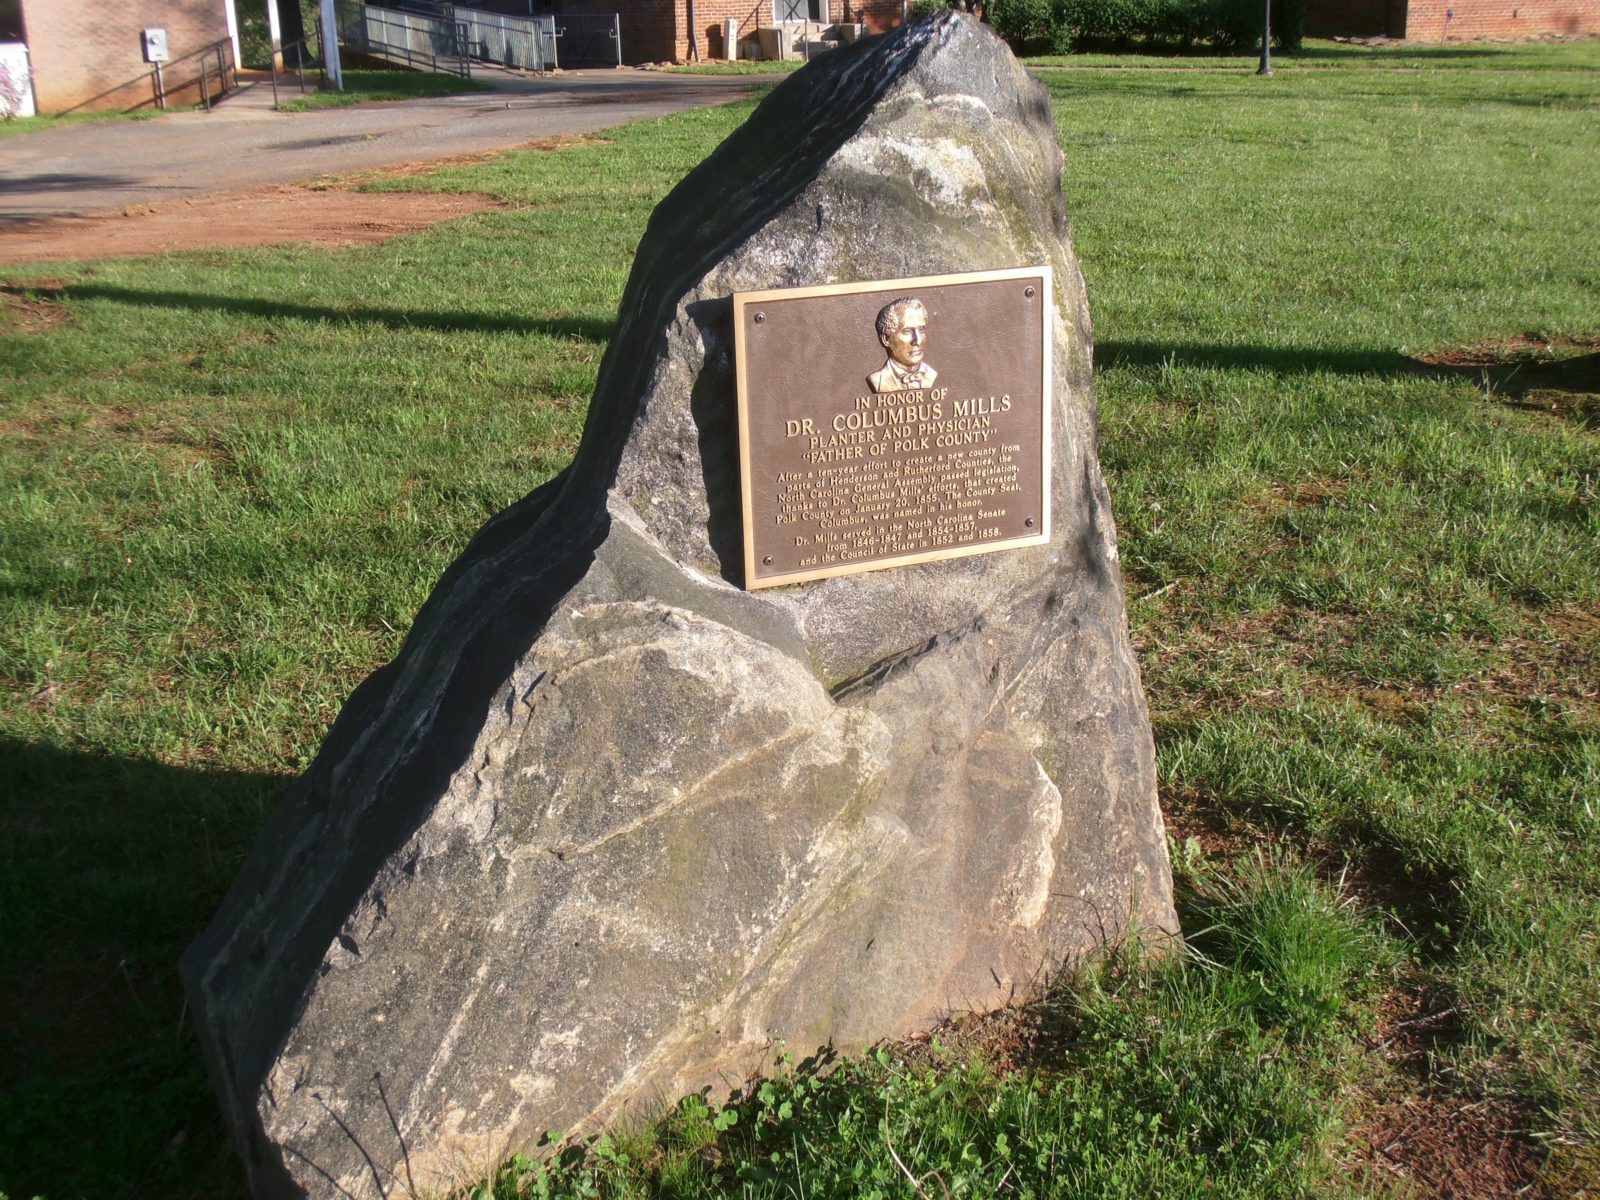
[893, 422]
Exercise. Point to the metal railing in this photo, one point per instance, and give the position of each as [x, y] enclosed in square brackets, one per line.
[215, 63]
[589, 39]
[425, 40]
[527, 43]
[437, 35]
[280, 67]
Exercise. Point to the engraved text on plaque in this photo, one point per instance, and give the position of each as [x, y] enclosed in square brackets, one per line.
[857, 452]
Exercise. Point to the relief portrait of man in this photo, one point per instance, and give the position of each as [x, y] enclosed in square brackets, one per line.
[903, 329]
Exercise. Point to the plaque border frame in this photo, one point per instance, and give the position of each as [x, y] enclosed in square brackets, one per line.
[742, 300]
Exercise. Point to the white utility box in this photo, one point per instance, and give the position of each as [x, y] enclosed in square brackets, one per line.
[154, 42]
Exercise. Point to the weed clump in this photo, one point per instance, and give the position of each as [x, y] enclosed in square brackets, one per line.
[1295, 949]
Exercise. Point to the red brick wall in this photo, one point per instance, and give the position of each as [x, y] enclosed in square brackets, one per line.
[86, 53]
[751, 15]
[1470, 20]
[879, 16]
[658, 30]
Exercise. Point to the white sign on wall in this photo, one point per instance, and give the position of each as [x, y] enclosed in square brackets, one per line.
[153, 45]
[16, 81]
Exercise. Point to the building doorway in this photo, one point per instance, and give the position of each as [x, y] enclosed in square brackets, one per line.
[799, 10]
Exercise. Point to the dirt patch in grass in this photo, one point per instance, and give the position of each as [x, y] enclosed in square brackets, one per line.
[1550, 654]
[1413, 1023]
[433, 166]
[1316, 492]
[26, 311]
[1554, 656]
[168, 440]
[1029, 1035]
[1424, 901]
[1189, 821]
[259, 217]
[1523, 350]
[1560, 376]
[1450, 1148]
[1426, 1141]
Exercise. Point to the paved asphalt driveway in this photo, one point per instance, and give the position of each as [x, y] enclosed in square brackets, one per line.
[77, 169]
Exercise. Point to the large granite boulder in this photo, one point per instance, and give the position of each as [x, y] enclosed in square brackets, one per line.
[610, 824]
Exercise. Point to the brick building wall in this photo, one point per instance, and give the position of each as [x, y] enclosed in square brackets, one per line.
[751, 15]
[879, 16]
[1471, 20]
[1434, 21]
[658, 30]
[876, 15]
[86, 54]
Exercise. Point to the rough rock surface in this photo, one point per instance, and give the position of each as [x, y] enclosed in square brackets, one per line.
[609, 825]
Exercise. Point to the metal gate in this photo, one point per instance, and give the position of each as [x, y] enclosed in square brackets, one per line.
[525, 42]
[588, 40]
[426, 40]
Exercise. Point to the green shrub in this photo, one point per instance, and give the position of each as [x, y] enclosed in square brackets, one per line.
[1235, 24]
[1113, 23]
[1229, 25]
[1238, 24]
[1288, 24]
[921, 10]
[255, 40]
[1182, 21]
[1023, 23]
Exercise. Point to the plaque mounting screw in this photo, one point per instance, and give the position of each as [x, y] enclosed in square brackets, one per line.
[767, 561]
[1029, 291]
[761, 318]
[1029, 522]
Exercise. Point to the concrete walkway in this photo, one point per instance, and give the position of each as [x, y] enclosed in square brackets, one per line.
[75, 170]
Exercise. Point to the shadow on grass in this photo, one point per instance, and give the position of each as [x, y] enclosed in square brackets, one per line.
[108, 867]
[1560, 378]
[571, 328]
[1280, 360]
[1514, 369]
[1401, 53]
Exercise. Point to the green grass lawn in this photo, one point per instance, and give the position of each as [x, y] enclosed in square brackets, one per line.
[19, 125]
[1316, 53]
[360, 86]
[1347, 326]
[363, 85]
[738, 67]
[1325, 53]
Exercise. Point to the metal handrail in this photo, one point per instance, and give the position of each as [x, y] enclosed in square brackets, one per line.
[534, 35]
[301, 47]
[226, 67]
[459, 62]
